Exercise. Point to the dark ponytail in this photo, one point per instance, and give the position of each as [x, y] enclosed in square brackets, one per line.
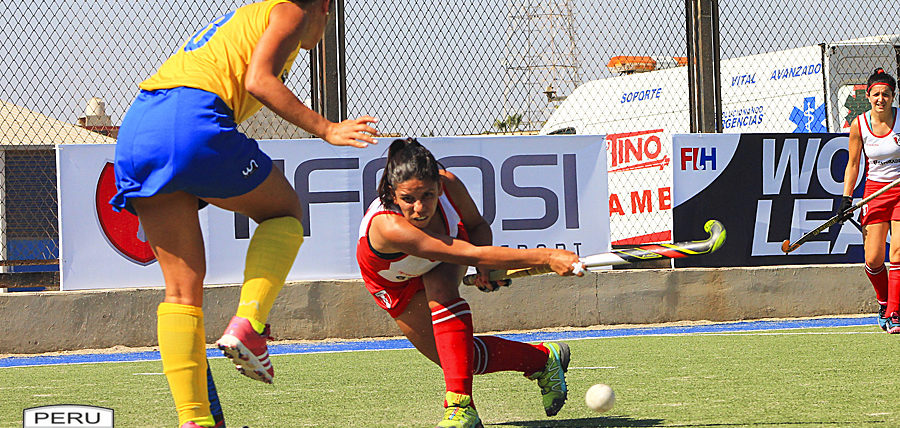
[407, 159]
[879, 77]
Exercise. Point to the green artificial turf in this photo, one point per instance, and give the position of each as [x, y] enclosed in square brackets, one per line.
[794, 378]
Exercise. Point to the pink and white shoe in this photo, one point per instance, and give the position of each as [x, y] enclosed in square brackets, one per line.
[192, 424]
[247, 349]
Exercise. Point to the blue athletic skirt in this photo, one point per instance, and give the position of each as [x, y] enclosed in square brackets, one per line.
[184, 139]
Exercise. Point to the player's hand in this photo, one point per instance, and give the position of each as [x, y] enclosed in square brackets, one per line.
[563, 262]
[483, 282]
[844, 208]
[352, 132]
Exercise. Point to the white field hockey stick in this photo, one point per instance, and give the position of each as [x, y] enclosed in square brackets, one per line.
[787, 246]
[628, 255]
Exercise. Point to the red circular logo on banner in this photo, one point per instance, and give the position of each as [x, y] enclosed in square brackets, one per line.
[121, 229]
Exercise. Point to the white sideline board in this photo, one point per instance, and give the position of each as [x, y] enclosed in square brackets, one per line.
[537, 191]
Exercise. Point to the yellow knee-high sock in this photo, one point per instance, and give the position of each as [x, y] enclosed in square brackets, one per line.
[270, 256]
[182, 346]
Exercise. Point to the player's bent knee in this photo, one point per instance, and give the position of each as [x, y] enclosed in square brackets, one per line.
[874, 262]
[190, 296]
[874, 265]
[442, 295]
[437, 285]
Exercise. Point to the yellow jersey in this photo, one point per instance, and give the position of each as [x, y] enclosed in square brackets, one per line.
[216, 58]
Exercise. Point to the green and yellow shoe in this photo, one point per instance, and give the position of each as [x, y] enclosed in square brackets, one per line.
[552, 379]
[459, 412]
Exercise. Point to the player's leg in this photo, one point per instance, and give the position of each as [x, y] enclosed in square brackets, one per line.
[893, 297]
[491, 353]
[275, 207]
[451, 321]
[545, 363]
[172, 228]
[874, 246]
[415, 323]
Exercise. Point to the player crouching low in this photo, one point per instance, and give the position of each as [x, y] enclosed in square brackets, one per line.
[415, 242]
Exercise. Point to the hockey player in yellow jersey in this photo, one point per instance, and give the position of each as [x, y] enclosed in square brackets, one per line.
[179, 149]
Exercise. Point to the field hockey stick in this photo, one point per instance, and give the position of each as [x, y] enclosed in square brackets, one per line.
[787, 246]
[642, 253]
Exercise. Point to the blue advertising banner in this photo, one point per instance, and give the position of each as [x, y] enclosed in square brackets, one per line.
[765, 188]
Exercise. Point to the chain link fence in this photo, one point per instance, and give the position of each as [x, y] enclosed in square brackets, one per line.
[438, 68]
[779, 34]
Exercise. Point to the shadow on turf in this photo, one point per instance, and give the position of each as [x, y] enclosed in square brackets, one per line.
[617, 421]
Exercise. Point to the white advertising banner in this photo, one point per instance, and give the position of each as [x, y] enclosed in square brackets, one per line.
[533, 190]
[640, 186]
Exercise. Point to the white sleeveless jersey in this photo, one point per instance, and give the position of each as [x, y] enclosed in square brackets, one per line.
[882, 151]
[400, 267]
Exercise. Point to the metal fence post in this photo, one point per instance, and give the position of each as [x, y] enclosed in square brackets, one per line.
[328, 75]
[703, 65]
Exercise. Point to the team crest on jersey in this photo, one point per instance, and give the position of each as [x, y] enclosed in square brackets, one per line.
[897, 139]
[385, 298]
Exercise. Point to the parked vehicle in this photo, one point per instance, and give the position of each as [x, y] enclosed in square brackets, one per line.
[812, 89]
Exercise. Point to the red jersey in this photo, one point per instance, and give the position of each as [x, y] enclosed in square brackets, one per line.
[394, 270]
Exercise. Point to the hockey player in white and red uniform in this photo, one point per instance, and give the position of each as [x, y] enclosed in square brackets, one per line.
[876, 134]
[415, 243]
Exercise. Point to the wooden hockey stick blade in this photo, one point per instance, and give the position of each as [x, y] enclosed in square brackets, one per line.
[629, 255]
[787, 246]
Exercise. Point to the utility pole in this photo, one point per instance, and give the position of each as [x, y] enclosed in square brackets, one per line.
[328, 72]
[703, 65]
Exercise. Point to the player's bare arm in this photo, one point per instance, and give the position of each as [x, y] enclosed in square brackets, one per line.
[478, 229]
[854, 147]
[289, 26]
[389, 233]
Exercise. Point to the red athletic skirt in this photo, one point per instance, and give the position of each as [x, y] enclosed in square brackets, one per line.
[884, 208]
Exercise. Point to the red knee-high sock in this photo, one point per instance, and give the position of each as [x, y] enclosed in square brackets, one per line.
[893, 300]
[452, 324]
[879, 279]
[494, 354]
